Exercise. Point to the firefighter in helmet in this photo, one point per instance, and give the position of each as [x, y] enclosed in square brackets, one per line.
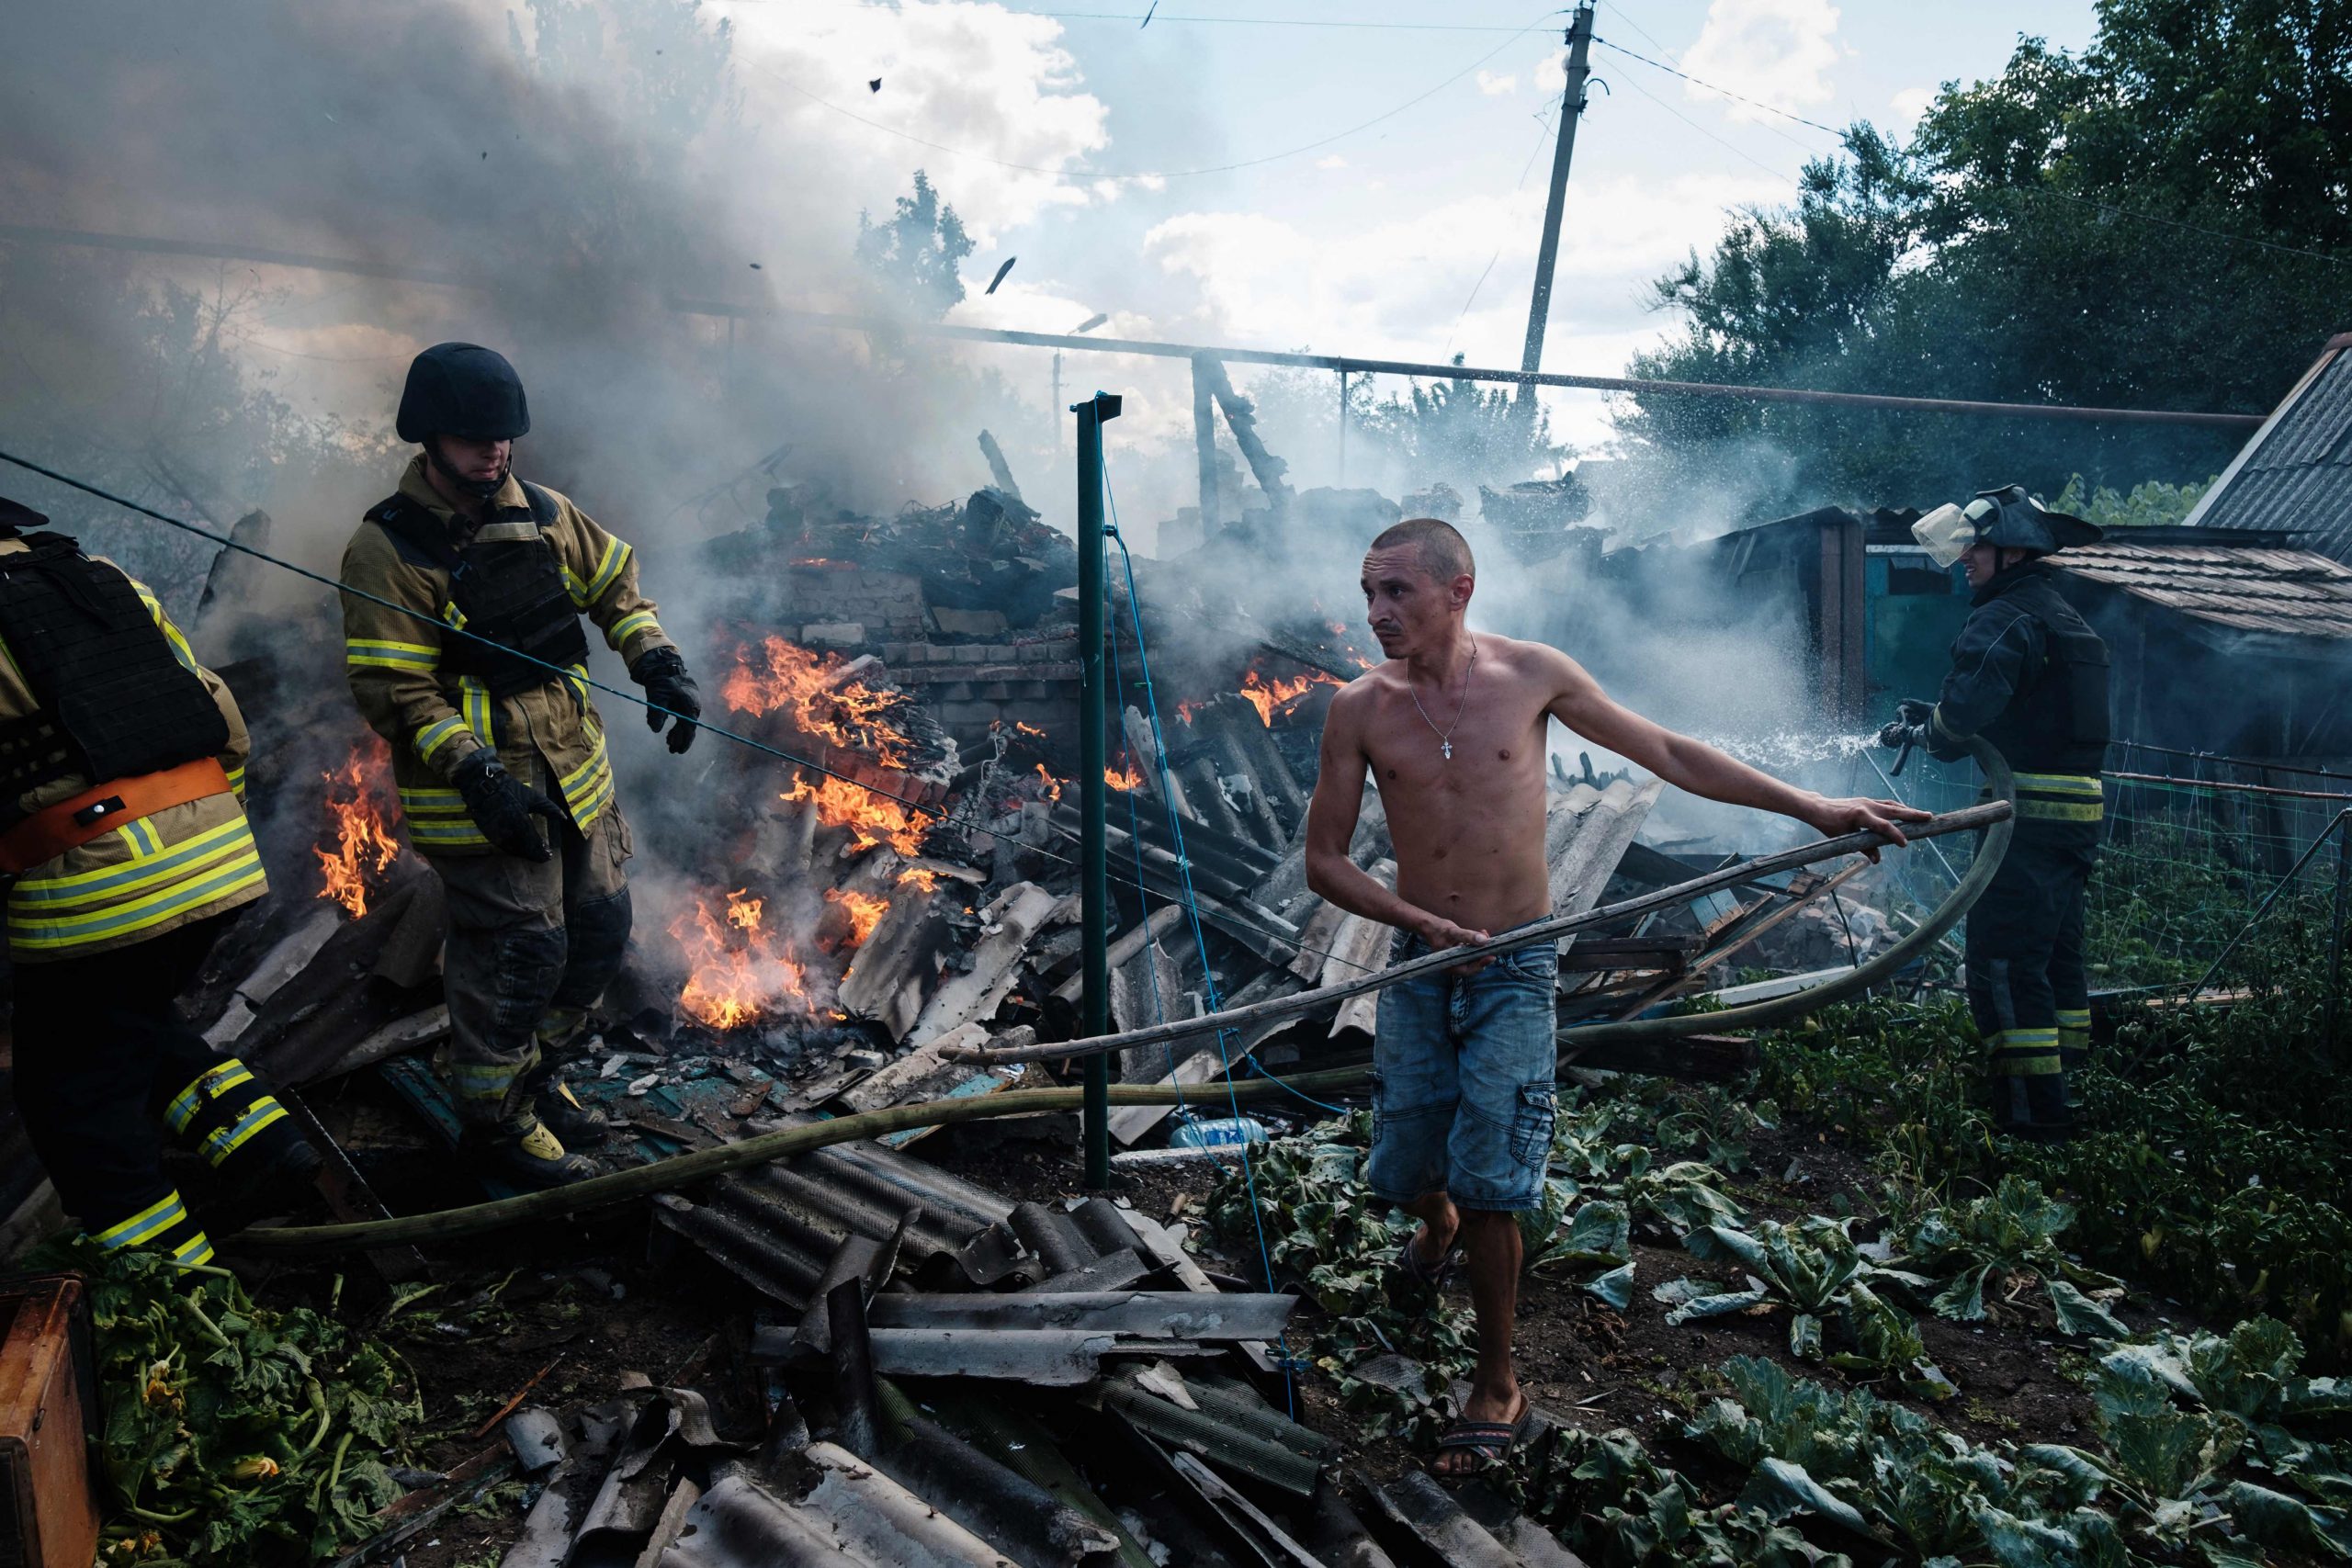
[2030, 676]
[122, 825]
[498, 753]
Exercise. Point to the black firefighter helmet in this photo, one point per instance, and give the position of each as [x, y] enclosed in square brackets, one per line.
[463, 390]
[2006, 517]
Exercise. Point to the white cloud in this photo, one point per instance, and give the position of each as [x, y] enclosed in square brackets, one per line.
[1330, 161]
[1399, 288]
[1908, 104]
[1495, 86]
[1776, 51]
[994, 85]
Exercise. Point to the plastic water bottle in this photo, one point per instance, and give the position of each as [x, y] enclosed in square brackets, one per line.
[1197, 1134]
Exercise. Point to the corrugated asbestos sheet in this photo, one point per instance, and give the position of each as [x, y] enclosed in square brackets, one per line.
[2297, 473]
[2284, 593]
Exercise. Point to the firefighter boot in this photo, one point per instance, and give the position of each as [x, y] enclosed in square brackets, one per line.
[523, 1151]
[243, 1130]
[578, 1125]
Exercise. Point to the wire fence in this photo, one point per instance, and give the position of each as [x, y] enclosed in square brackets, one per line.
[2194, 849]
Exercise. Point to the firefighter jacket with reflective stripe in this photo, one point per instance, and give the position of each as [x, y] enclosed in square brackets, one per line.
[2029, 676]
[152, 875]
[114, 702]
[435, 715]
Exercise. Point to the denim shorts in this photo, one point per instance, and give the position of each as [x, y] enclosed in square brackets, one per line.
[1463, 1093]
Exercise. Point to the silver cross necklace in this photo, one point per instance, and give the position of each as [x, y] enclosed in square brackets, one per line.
[1445, 735]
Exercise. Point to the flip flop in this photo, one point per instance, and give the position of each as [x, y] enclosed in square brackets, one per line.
[1490, 1439]
[1435, 1277]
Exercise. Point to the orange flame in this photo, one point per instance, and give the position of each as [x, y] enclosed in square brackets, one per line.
[1128, 779]
[1030, 730]
[865, 911]
[871, 819]
[1053, 786]
[737, 974]
[365, 847]
[1266, 697]
[918, 878]
[808, 690]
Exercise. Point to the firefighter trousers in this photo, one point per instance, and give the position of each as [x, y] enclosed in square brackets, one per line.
[2027, 985]
[98, 1041]
[531, 947]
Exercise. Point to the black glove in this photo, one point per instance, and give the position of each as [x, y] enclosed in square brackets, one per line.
[662, 674]
[502, 806]
[1913, 711]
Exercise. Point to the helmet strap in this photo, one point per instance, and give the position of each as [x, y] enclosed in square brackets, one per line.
[480, 490]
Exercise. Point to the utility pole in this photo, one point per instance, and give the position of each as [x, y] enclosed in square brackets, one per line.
[1094, 789]
[1579, 40]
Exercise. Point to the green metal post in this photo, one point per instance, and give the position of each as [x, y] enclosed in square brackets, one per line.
[1094, 793]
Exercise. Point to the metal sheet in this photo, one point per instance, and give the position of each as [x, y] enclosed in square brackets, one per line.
[1152, 1315]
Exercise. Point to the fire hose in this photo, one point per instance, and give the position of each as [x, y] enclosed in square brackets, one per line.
[1992, 817]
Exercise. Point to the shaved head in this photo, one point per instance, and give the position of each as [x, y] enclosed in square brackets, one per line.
[1440, 549]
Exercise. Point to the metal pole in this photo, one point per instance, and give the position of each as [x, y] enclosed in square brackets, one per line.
[1094, 792]
[1579, 40]
[2332, 1017]
[1204, 449]
[1343, 427]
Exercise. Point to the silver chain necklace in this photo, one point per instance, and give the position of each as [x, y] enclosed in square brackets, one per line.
[1445, 735]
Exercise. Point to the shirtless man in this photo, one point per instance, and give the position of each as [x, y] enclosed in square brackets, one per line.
[1452, 727]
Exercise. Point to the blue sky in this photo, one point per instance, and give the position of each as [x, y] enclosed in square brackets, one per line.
[1375, 244]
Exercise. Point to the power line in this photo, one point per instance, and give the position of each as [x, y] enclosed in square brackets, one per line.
[1151, 174]
[1138, 18]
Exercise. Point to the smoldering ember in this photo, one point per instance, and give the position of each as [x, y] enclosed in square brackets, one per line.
[946, 784]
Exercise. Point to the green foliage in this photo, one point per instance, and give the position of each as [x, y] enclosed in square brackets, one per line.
[915, 256]
[2123, 227]
[2152, 504]
[1324, 1228]
[2006, 1240]
[229, 1433]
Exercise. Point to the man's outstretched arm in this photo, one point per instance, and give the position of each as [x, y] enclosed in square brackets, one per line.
[1331, 873]
[1698, 767]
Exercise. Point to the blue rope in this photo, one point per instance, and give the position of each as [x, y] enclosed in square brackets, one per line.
[1191, 906]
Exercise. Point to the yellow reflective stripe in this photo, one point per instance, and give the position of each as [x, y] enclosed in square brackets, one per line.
[182, 1109]
[451, 616]
[143, 837]
[2060, 784]
[240, 874]
[2062, 810]
[609, 570]
[473, 703]
[574, 587]
[360, 652]
[222, 1142]
[435, 735]
[577, 676]
[163, 623]
[183, 858]
[628, 625]
[2073, 1018]
[237, 782]
[483, 1082]
[194, 1253]
[156, 1217]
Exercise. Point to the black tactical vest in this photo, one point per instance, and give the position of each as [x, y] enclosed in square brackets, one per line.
[113, 699]
[511, 592]
[2057, 722]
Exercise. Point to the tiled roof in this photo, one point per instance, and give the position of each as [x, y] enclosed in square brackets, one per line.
[2283, 592]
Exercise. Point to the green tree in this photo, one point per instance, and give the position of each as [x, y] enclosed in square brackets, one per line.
[916, 254]
[2160, 221]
